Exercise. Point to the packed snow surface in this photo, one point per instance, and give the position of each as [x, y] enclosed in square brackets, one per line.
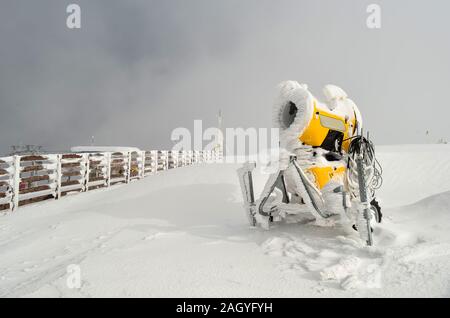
[183, 233]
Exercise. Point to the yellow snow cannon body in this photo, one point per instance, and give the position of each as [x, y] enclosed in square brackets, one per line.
[326, 167]
[326, 127]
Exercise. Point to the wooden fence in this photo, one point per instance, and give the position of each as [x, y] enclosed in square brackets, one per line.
[28, 179]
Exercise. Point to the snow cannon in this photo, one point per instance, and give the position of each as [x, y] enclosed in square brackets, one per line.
[327, 172]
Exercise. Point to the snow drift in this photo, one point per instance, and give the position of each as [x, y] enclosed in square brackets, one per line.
[184, 233]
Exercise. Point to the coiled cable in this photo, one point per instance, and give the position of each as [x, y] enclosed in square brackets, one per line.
[361, 146]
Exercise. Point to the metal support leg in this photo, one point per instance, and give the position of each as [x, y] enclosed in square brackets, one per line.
[364, 201]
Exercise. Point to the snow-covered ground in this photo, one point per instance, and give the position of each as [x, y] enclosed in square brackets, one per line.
[183, 233]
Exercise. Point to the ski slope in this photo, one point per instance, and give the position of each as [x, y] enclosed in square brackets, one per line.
[183, 233]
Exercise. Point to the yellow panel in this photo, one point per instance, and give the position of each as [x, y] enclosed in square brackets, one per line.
[323, 175]
[315, 134]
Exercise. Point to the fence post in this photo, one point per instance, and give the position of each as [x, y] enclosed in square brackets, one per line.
[58, 176]
[170, 159]
[219, 156]
[154, 160]
[142, 165]
[167, 160]
[108, 169]
[16, 183]
[129, 167]
[157, 160]
[86, 172]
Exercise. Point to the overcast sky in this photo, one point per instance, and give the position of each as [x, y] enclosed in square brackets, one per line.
[138, 69]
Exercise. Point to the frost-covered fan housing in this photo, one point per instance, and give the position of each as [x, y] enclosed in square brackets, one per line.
[322, 153]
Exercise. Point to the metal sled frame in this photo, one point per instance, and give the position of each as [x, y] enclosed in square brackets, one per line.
[280, 184]
[307, 190]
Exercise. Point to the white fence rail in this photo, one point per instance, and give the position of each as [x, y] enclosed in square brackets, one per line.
[32, 178]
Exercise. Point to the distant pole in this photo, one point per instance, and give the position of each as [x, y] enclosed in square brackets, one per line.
[92, 140]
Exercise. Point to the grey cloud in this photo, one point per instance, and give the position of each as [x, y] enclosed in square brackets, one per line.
[138, 69]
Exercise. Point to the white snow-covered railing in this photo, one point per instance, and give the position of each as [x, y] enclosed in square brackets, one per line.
[32, 178]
